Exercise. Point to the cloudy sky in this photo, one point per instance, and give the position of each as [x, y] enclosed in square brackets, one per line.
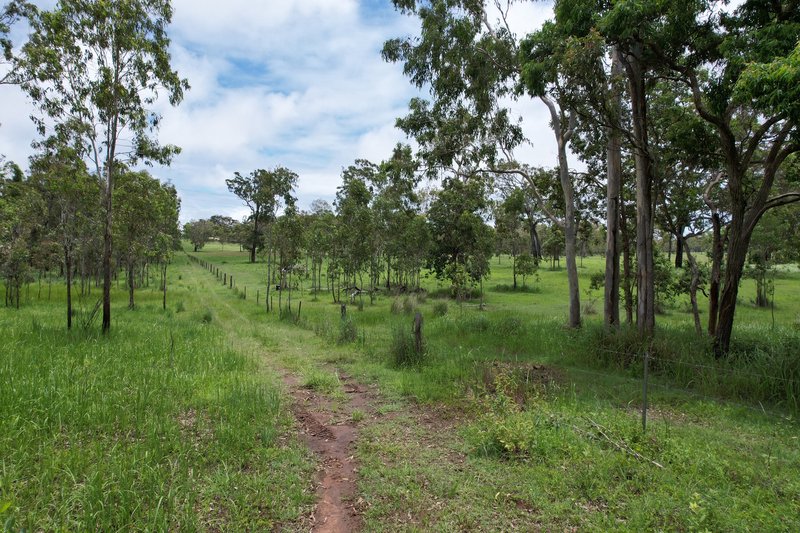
[296, 83]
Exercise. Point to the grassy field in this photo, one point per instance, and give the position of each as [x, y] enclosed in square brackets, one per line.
[160, 426]
[511, 422]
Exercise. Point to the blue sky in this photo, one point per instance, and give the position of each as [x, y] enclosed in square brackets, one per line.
[297, 83]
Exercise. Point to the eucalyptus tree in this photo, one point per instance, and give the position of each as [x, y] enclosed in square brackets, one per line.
[471, 60]
[21, 216]
[98, 68]
[461, 240]
[72, 197]
[320, 227]
[264, 192]
[145, 225]
[395, 205]
[11, 13]
[355, 231]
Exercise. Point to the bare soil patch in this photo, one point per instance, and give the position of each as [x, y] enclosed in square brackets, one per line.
[328, 429]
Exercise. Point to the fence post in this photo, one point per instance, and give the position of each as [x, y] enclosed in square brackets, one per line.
[418, 333]
[344, 311]
[644, 391]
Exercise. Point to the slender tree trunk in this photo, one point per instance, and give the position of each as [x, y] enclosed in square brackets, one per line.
[679, 245]
[131, 283]
[68, 273]
[627, 264]
[569, 222]
[107, 243]
[695, 283]
[645, 286]
[613, 195]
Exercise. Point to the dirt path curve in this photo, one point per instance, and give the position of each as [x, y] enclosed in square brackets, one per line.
[330, 431]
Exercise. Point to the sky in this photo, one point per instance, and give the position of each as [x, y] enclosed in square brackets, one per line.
[293, 83]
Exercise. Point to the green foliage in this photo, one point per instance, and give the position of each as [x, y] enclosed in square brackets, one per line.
[526, 266]
[439, 308]
[403, 350]
[463, 241]
[348, 332]
[410, 304]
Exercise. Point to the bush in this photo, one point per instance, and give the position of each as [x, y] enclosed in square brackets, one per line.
[439, 308]
[347, 331]
[207, 317]
[403, 348]
[179, 307]
[409, 304]
[397, 306]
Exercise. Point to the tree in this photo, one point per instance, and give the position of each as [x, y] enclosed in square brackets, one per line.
[461, 241]
[471, 63]
[95, 68]
[198, 232]
[21, 216]
[526, 266]
[356, 225]
[11, 13]
[748, 98]
[145, 224]
[262, 191]
[71, 195]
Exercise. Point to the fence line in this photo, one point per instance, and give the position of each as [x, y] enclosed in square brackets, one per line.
[646, 379]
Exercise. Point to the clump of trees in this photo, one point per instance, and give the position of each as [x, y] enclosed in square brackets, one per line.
[686, 112]
[51, 226]
[93, 70]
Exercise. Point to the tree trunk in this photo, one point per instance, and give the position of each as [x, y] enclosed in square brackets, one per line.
[738, 242]
[716, 272]
[613, 195]
[645, 286]
[131, 283]
[68, 273]
[679, 250]
[627, 263]
[569, 222]
[107, 242]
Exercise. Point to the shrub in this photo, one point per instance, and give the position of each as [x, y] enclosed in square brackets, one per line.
[347, 331]
[409, 304]
[207, 317]
[403, 349]
[397, 306]
[179, 307]
[439, 308]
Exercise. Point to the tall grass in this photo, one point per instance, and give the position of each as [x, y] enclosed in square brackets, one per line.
[158, 427]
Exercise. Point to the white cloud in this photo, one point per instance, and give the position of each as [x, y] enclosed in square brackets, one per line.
[298, 83]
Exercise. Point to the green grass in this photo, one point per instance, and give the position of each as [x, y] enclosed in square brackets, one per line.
[159, 426]
[533, 456]
[507, 423]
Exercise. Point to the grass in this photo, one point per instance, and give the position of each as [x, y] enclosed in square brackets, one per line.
[159, 426]
[537, 459]
[510, 422]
